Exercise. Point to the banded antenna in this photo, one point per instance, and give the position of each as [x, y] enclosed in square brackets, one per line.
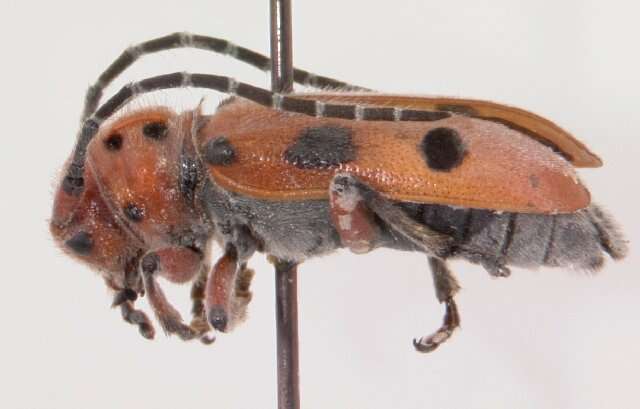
[216, 45]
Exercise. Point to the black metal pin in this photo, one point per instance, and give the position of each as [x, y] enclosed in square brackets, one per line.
[286, 272]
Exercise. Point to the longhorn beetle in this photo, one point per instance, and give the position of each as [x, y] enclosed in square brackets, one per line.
[297, 176]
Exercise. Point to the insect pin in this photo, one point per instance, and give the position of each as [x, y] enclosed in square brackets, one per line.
[148, 193]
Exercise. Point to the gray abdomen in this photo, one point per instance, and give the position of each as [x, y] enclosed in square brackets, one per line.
[300, 230]
[294, 231]
[577, 240]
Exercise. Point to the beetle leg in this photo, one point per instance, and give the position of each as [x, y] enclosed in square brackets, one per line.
[352, 207]
[446, 287]
[229, 294]
[198, 312]
[352, 204]
[197, 296]
[242, 294]
[219, 288]
[125, 299]
[177, 264]
[227, 290]
[351, 217]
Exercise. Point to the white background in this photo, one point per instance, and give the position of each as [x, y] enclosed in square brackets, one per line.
[545, 339]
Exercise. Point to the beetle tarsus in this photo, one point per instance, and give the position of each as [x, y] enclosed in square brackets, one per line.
[167, 315]
[446, 286]
[134, 316]
[450, 323]
[171, 325]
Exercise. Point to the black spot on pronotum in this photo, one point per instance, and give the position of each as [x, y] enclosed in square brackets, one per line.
[113, 142]
[443, 149]
[81, 243]
[219, 151]
[133, 212]
[321, 147]
[155, 130]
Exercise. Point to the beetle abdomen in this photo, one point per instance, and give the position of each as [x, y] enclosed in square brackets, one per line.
[576, 240]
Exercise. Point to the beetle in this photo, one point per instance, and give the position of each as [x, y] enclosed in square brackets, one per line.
[147, 193]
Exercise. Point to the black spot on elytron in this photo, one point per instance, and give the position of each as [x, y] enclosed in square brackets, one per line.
[321, 147]
[219, 151]
[442, 149]
[155, 130]
[133, 212]
[81, 243]
[113, 142]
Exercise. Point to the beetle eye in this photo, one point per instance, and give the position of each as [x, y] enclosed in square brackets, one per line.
[81, 243]
[155, 130]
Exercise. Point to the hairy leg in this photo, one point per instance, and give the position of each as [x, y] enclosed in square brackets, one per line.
[177, 264]
[227, 289]
[198, 312]
[353, 206]
[219, 289]
[241, 296]
[125, 299]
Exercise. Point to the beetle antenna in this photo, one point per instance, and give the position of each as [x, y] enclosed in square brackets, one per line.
[216, 45]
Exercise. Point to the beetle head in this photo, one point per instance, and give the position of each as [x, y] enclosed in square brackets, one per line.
[138, 194]
[86, 228]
